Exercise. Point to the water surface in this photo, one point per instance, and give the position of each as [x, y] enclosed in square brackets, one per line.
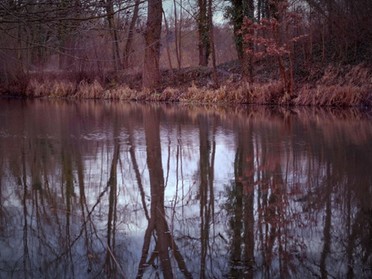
[116, 190]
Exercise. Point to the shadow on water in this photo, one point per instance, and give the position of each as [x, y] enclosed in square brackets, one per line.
[116, 190]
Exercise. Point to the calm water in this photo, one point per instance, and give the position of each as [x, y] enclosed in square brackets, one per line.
[115, 190]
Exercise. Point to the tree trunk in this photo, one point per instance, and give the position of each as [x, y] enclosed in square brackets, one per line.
[241, 9]
[113, 34]
[128, 45]
[211, 43]
[151, 74]
[156, 175]
[167, 43]
[203, 31]
[178, 32]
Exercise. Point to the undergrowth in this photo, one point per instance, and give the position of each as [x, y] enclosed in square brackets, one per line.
[337, 87]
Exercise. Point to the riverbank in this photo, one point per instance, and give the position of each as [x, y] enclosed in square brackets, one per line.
[345, 86]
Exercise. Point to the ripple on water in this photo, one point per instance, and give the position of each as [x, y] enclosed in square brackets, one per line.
[94, 136]
[4, 134]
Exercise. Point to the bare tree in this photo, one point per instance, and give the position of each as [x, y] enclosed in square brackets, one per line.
[203, 32]
[211, 43]
[113, 33]
[132, 25]
[178, 32]
[157, 222]
[151, 74]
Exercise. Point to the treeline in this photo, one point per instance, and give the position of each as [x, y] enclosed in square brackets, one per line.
[100, 37]
[96, 39]
[300, 36]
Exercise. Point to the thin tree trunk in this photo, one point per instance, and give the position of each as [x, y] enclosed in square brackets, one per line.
[211, 43]
[114, 35]
[177, 34]
[128, 45]
[327, 225]
[237, 215]
[110, 262]
[166, 42]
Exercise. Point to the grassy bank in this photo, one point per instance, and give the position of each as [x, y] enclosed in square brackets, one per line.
[340, 87]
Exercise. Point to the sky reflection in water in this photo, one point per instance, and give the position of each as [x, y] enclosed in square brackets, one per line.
[108, 189]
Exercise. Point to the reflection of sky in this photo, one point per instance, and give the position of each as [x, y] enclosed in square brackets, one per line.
[303, 157]
[188, 145]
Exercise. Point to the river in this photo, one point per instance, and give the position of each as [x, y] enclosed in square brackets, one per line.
[103, 189]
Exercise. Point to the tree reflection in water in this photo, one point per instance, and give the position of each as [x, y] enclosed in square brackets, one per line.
[250, 193]
[164, 242]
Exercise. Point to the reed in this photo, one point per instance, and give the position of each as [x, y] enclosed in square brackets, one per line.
[35, 88]
[87, 90]
[338, 87]
[50, 88]
[171, 94]
[334, 95]
[62, 89]
[241, 93]
[120, 92]
[257, 93]
[268, 93]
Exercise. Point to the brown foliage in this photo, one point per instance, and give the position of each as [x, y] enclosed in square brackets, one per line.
[339, 86]
[50, 88]
[333, 95]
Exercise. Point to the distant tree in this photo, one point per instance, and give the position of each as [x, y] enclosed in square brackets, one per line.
[64, 34]
[342, 30]
[31, 31]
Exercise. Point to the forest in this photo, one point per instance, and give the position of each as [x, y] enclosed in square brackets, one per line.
[289, 52]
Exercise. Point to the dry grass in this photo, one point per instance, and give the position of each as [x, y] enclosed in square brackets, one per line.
[83, 90]
[122, 92]
[269, 93]
[236, 93]
[57, 88]
[339, 86]
[87, 90]
[171, 94]
[358, 75]
[334, 95]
